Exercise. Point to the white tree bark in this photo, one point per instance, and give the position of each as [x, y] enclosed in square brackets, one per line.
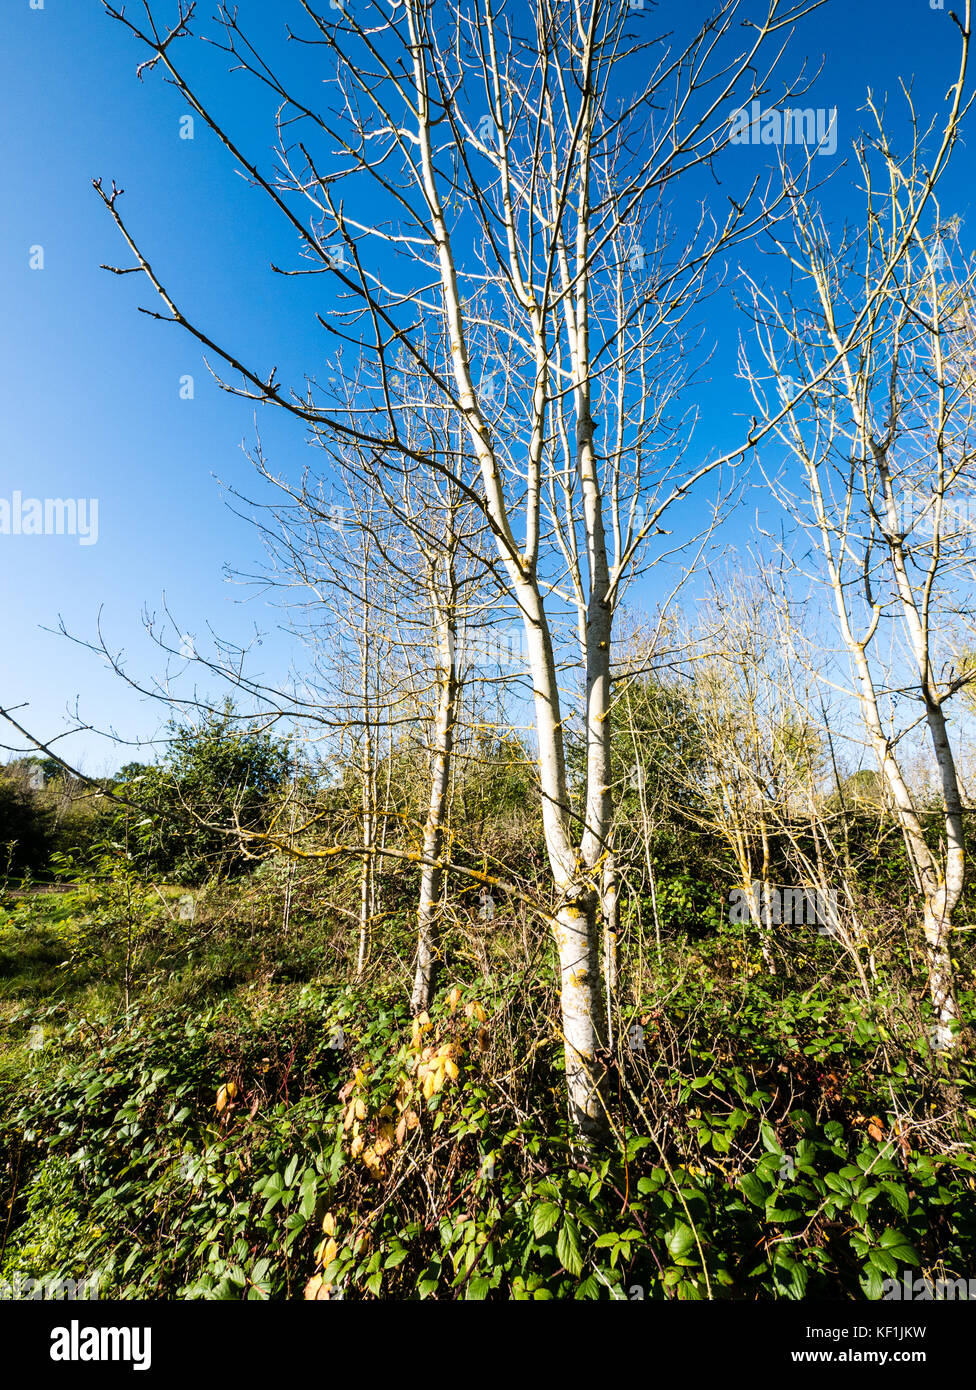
[432, 872]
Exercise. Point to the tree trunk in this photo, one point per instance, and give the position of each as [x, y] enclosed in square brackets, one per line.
[576, 923]
[937, 928]
[432, 877]
[583, 1017]
[366, 871]
[611, 929]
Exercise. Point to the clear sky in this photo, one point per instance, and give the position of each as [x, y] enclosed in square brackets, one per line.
[92, 388]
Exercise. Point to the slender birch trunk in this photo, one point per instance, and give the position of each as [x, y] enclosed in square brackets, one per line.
[575, 923]
[432, 875]
[366, 774]
[611, 938]
[366, 863]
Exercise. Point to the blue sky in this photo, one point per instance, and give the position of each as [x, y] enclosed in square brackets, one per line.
[92, 387]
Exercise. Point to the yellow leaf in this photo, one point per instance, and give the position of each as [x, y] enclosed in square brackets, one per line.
[328, 1224]
[316, 1288]
[360, 1108]
[325, 1252]
[454, 998]
[225, 1094]
[356, 1147]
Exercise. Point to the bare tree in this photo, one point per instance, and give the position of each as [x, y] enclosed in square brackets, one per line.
[518, 187]
[870, 359]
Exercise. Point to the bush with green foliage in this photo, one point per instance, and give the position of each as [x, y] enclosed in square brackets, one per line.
[26, 826]
[217, 775]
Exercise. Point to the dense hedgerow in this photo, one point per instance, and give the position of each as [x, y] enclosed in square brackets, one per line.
[311, 1139]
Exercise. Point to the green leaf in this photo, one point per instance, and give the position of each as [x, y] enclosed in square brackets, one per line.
[607, 1239]
[568, 1248]
[872, 1283]
[753, 1189]
[544, 1217]
[897, 1196]
[589, 1288]
[898, 1246]
[680, 1240]
[768, 1136]
[883, 1260]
